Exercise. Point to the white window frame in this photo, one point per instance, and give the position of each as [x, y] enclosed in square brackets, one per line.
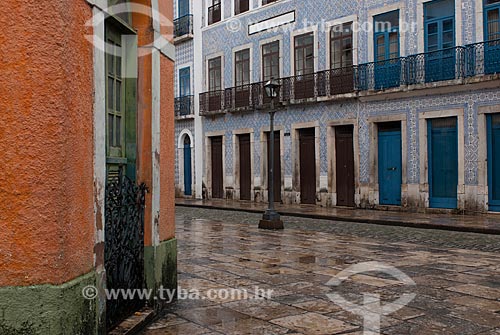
[223, 70]
[177, 8]
[296, 33]
[270, 4]
[402, 34]
[421, 23]
[278, 38]
[251, 6]
[178, 68]
[328, 27]
[239, 48]
[208, 4]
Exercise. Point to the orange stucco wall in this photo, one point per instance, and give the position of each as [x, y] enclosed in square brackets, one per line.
[145, 35]
[46, 142]
[167, 131]
[167, 156]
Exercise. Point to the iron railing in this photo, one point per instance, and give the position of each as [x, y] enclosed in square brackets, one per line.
[482, 58]
[437, 66]
[183, 26]
[124, 245]
[214, 13]
[184, 105]
[212, 102]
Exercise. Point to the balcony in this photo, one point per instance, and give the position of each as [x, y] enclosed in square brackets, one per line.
[214, 13]
[184, 107]
[482, 58]
[453, 66]
[183, 28]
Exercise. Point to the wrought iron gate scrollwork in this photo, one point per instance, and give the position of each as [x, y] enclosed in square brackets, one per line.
[124, 245]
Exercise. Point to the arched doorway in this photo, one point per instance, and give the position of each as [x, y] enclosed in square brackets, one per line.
[188, 180]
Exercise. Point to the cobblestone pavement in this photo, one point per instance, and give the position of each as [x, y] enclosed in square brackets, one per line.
[457, 278]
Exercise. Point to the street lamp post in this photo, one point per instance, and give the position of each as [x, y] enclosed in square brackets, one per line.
[271, 218]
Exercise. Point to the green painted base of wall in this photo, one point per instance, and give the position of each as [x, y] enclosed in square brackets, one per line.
[160, 265]
[47, 309]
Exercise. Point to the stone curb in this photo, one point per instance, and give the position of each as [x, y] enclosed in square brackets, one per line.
[389, 222]
[135, 323]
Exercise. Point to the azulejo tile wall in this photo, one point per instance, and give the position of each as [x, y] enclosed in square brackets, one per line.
[361, 111]
[218, 39]
[184, 54]
[180, 126]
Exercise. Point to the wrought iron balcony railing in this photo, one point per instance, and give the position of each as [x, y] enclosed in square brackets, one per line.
[482, 58]
[438, 66]
[214, 13]
[184, 106]
[211, 102]
[183, 26]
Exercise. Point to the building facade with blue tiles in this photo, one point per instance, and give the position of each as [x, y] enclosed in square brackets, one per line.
[187, 39]
[382, 103]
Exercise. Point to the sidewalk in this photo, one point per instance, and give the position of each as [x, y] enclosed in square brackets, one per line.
[483, 224]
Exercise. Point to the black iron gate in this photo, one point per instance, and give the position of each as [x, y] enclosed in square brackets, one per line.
[124, 246]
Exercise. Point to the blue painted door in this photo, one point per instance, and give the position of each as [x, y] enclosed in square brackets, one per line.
[188, 180]
[443, 162]
[440, 58]
[387, 66]
[492, 35]
[389, 166]
[494, 162]
[183, 8]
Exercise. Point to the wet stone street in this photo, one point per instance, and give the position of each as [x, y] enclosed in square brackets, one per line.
[280, 282]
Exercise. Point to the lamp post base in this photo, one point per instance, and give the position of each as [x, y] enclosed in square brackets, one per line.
[271, 220]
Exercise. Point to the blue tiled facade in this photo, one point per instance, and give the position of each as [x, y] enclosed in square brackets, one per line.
[218, 38]
[184, 57]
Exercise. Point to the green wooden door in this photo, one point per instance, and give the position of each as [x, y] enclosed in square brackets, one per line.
[120, 107]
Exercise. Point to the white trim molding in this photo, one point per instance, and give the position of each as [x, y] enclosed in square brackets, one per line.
[239, 48]
[222, 65]
[278, 38]
[293, 35]
[421, 23]
[328, 27]
[401, 6]
[424, 155]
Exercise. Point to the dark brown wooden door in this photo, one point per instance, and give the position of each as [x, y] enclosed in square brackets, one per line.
[245, 169]
[217, 176]
[345, 165]
[307, 166]
[277, 164]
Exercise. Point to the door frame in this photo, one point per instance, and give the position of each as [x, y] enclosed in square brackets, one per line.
[236, 161]
[208, 160]
[374, 195]
[295, 130]
[483, 168]
[180, 161]
[331, 157]
[178, 7]
[458, 27]
[439, 21]
[264, 161]
[424, 161]
[182, 76]
[401, 6]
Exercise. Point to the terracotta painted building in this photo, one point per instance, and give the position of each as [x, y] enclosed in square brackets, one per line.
[87, 125]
